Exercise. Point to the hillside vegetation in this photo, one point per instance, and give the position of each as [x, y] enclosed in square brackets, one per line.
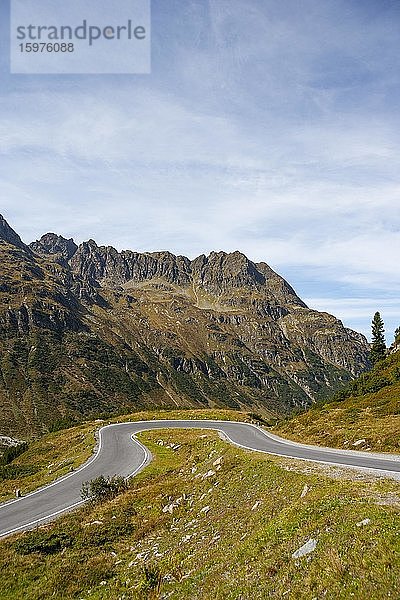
[364, 416]
[207, 520]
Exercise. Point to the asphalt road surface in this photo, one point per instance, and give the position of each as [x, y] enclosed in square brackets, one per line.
[119, 453]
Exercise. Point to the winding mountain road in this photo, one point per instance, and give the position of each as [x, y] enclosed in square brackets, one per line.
[119, 452]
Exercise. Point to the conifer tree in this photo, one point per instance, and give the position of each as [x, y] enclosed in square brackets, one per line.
[378, 345]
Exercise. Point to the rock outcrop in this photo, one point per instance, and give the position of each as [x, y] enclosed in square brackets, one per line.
[55, 245]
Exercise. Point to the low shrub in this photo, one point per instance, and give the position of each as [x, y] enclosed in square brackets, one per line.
[103, 488]
[43, 542]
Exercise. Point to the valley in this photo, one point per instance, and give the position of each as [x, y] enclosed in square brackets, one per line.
[92, 336]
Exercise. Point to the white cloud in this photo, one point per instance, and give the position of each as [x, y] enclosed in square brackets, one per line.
[265, 130]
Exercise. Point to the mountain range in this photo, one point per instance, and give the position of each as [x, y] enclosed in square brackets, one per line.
[88, 331]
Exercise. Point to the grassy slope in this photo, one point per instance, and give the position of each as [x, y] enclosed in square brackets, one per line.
[370, 415]
[50, 457]
[236, 550]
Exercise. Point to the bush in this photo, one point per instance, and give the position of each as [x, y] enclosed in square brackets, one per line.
[103, 488]
[44, 542]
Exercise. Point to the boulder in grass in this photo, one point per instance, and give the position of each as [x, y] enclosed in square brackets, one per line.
[307, 548]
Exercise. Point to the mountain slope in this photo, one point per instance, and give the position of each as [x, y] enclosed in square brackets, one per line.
[88, 330]
[365, 415]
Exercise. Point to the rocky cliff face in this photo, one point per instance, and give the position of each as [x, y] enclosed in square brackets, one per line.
[88, 329]
[105, 266]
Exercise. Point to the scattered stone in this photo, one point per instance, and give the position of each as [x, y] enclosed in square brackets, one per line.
[192, 523]
[103, 582]
[359, 442]
[93, 523]
[174, 504]
[256, 505]
[305, 491]
[307, 548]
[217, 462]
[209, 473]
[363, 522]
[205, 510]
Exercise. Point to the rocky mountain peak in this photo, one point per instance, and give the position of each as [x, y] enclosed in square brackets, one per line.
[221, 269]
[7, 234]
[56, 245]
[227, 273]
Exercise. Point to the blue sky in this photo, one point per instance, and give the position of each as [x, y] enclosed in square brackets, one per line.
[272, 127]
